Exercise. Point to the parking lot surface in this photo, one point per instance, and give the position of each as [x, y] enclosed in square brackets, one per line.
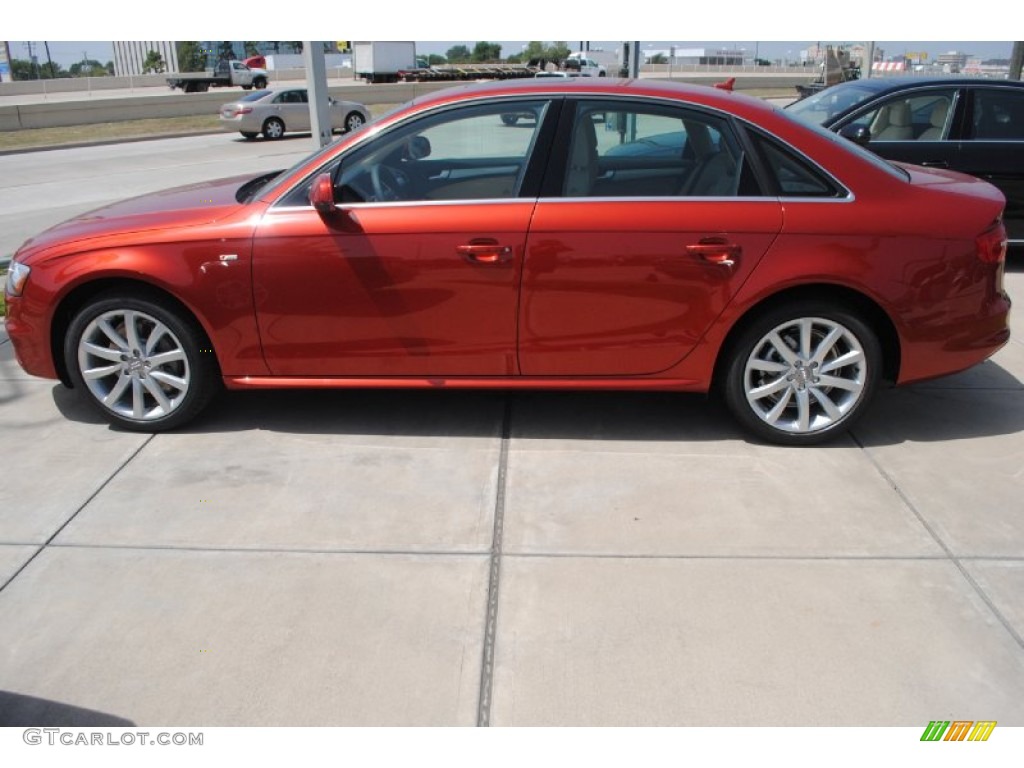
[461, 558]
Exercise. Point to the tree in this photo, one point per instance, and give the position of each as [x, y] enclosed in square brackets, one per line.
[458, 53]
[535, 49]
[295, 45]
[191, 57]
[89, 68]
[658, 58]
[484, 51]
[251, 48]
[558, 51]
[225, 50]
[436, 58]
[154, 63]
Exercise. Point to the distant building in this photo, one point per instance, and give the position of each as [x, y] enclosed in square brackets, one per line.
[954, 61]
[129, 55]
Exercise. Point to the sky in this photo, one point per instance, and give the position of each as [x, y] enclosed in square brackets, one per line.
[67, 53]
[778, 27]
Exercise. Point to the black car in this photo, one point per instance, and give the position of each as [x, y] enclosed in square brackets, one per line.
[974, 125]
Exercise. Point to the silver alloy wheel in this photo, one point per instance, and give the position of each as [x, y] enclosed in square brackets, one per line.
[133, 365]
[805, 375]
[273, 129]
[353, 122]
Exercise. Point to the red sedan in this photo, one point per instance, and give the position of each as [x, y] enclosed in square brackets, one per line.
[617, 235]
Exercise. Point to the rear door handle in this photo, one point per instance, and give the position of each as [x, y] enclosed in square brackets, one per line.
[935, 163]
[485, 251]
[716, 251]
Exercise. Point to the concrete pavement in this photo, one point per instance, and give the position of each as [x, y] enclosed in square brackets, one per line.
[461, 558]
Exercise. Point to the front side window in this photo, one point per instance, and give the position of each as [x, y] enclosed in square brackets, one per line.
[476, 152]
[997, 115]
[917, 116]
[632, 150]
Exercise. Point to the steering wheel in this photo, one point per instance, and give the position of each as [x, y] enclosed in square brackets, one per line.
[388, 183]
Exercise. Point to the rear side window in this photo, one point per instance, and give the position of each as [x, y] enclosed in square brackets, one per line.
[792, 175]
[626, 149]
[998, 115]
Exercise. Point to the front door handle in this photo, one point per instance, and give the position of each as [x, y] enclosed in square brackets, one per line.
[485, 252]
[715, 250]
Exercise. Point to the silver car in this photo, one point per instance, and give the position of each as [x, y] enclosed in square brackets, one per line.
[274, 113]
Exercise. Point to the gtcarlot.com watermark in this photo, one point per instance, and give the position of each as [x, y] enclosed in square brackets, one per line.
[76, 738]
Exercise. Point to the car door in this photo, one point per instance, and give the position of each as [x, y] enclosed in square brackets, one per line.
[417, 271]
[651, 224]
[917, 125]
[993, 148]
[292, 106]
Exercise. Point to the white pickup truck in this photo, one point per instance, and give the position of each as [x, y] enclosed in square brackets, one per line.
[585, 66]
[227, 73]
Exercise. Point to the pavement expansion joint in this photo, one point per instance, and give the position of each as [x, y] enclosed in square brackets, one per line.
[956, 561]
[491, 620]
[74, 514]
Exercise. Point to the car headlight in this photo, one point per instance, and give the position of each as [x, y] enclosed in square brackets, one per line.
[17, 275]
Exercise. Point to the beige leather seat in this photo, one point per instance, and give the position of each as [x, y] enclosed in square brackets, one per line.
[897, 123]
[579, 180]
[938, 122]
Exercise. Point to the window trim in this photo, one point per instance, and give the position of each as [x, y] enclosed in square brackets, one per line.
[535, 168]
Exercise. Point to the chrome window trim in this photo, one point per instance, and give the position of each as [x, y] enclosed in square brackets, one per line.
[372, 131]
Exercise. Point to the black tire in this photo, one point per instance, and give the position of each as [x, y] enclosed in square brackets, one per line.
[259, 83]
[783, 395]
[249, 134]
[353, 122]
[162, 384]
[273, 128]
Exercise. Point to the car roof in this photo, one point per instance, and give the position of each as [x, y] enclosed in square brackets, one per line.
[706, 95]
[890, 84]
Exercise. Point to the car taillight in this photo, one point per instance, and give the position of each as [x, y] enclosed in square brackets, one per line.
[243, 110]
[991, 244]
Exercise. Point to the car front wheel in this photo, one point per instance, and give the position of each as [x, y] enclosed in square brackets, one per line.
[802, 374]
[353, 122]
[140, 362]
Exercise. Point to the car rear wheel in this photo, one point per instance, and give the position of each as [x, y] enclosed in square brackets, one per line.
[273, 128]
[353, 122]
[803, 373]
[140, 362]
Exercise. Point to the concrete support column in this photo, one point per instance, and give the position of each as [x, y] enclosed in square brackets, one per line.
[316, 83]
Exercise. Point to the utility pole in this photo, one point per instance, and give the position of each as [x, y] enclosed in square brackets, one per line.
[49, 61]
[1016, 61]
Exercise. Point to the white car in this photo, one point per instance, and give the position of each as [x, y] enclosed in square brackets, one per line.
[276, 112]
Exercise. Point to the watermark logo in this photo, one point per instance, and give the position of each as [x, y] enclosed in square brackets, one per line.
[958, 730]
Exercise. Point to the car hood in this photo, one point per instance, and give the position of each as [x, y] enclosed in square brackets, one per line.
[187, 206]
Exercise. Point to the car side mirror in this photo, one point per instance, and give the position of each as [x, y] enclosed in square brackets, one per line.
[858, 134]
[321, 194]
[418, 148]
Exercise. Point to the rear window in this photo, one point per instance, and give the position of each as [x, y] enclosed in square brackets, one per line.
[254, 96]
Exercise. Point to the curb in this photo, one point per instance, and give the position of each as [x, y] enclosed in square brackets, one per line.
[108, 142]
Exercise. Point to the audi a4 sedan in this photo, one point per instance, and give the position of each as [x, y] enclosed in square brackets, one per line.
[973, 125]
[630, 236]
[277, 112]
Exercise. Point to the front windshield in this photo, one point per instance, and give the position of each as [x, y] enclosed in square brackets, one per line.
[820, 108]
